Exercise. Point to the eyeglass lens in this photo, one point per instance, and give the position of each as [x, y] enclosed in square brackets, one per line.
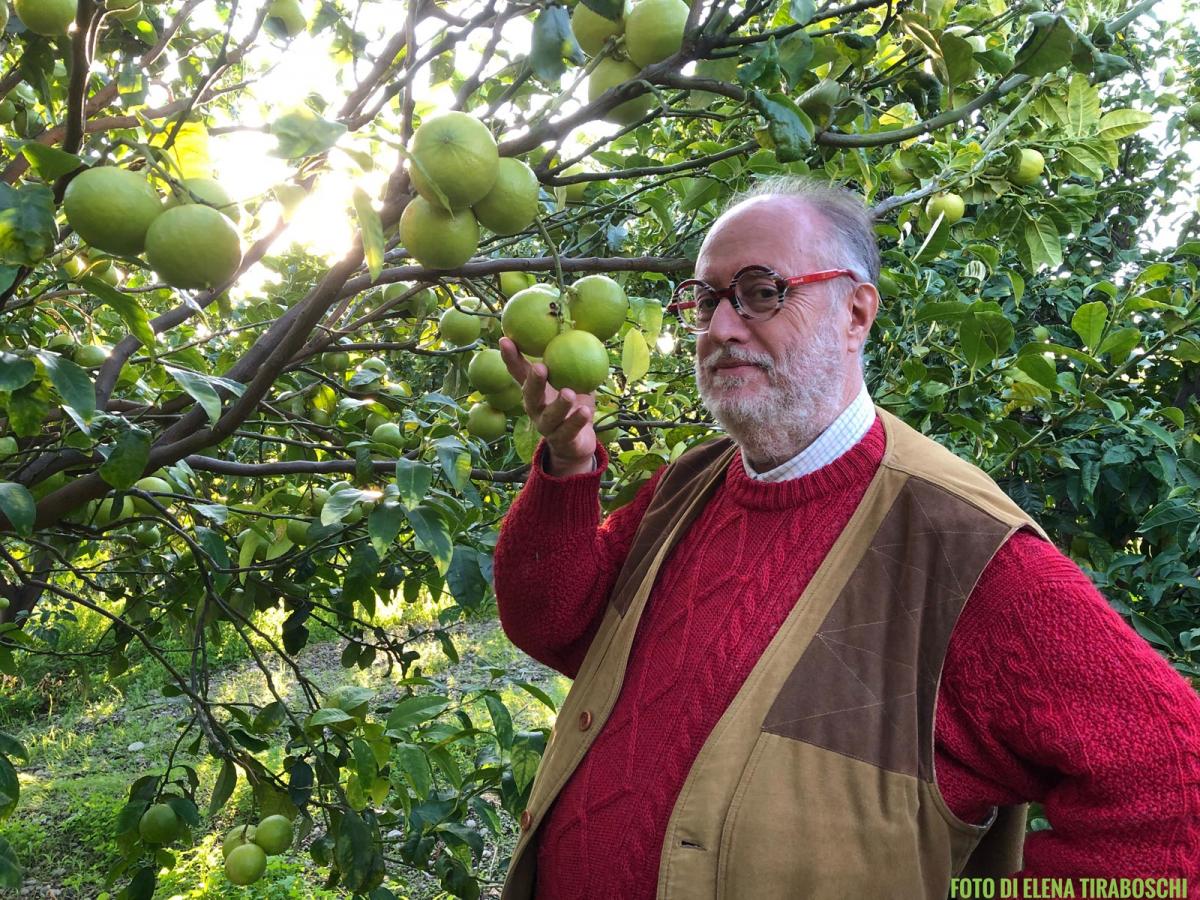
[757, 294]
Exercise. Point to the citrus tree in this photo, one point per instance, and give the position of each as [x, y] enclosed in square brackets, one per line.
[213, 432]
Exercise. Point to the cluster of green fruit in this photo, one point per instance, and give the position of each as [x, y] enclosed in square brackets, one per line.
[462, 183]
[247, 847]
[652, 30]
[111, 510]
[189, 240]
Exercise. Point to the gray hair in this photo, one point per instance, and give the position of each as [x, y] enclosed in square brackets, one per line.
[850, 242]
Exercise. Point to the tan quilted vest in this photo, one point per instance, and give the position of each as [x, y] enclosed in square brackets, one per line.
[818, 780]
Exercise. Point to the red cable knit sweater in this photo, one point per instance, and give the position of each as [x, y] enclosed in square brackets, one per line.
[1046, 693]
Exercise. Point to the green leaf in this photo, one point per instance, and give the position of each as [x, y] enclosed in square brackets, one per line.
[127, 461]
[959, 56]
[1118, 123]
[935, 241]
[384, 524]
[130, 311]
[1119, 343]
[553, 41]
[11, 873]
[15, 372]
[1041, 370]
[412, 711]
[802, 11]
[10, 788]
[789, 126]
[525, 761]
[464, 578]
[223, 788]
[372, 232]
[10, 746]
[26, 223]
[200, 389]
[1083, 106]
[431, 534]
[302, 132]
[338, 506]
[359, 584]
[1048, 48]
[50, 162]
[795, 56]
[610, 9]
[73, 385]
[635, 355]
[18, 507]
[359, 861]
[1174, 512]
[525, 438]
[1088, 322]
[413, 479]
[537, 693]
[329, 715]
[1042, 239]
[501, 719]
[985, 336]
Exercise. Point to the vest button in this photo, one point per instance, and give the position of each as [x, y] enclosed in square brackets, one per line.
[526, 820]
[585, 720]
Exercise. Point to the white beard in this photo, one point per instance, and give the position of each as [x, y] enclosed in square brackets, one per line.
[772, 420]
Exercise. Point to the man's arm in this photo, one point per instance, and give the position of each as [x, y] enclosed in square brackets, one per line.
[555, 563]
[1068, 706]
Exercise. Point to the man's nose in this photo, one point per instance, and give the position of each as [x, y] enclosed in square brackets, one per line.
[727, 324]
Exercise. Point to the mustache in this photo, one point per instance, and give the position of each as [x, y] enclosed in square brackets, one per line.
[731, 354]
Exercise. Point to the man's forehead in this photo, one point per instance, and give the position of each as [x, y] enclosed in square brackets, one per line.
[781, 233]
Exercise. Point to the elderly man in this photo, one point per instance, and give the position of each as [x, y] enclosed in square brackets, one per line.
[821, 656]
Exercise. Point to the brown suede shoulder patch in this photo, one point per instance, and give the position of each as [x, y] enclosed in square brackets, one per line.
[855, 690]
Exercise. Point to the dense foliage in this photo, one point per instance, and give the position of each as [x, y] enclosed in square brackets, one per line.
[195, 466]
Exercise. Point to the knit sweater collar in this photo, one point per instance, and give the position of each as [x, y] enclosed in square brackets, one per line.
[854, 468]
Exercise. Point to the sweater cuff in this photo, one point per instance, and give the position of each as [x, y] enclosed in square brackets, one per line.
[573, 501]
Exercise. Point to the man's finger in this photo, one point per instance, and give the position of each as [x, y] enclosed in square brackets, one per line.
[518, 365]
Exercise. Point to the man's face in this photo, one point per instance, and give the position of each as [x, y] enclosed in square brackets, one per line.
[790, 386]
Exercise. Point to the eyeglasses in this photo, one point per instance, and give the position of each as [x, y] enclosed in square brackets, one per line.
[755, 292]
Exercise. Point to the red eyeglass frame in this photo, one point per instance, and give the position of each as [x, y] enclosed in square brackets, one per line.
[782, 283]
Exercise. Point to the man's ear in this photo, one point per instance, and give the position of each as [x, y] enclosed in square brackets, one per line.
[864, 306]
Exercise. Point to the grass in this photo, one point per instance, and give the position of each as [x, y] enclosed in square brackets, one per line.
[88, 740]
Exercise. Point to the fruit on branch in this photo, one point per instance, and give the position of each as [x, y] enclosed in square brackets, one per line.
[152, 485]
[530, 319]
[108, 512]
[597, 304]
[592, 29]
[611, 73]
[388, 433]
[47, 17]
[512, 203]
[577, 360]
[947, 204]
[506, 400]
[193, 247]
[457, 153]
[459, 328]
[515, 282]
[285, 18]
[899, 172]
[438, 239]
[486, 422]
[111, 208]
[159, 824]
[242, 834]
[654, 30]
[147, 535]
[90, 355]
[335, 363]
[488, 374]
[1028, 169]
[576, 189]
[1193, 115]
[245, 864]
[416, 306]
[297, 533]
[207, 191]
[8, 111]
[274, 834]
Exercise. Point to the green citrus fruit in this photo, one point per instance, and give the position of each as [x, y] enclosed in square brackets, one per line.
[611, 73]
[245, 864]
[530, 320]
[243, 834]
[416, 306]
[91, 355]
[8, 111]
[459, 328]
[109, 512]
[335, 363]
[193, 246]
[512, 203]
[148, 535]
[159, 824]
[576, 360]
[285, 18]
[388, 433]
[111, 208]
[458, 154]
[485, 422]
[597, 304]
[1193, 115]
[506, 400]
[48, 17]
[152, 485]
[8, 446]
[654, 30]
[577, 189]
[899, 172]
[297, 531]
[274, 834]
[207, 191]
[1029, 168]
[948, 204]
[514, 282]
[438, 239]
[487, 372]
[592, 29]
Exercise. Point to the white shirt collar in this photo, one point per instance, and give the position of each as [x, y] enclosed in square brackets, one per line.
[846, 430]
